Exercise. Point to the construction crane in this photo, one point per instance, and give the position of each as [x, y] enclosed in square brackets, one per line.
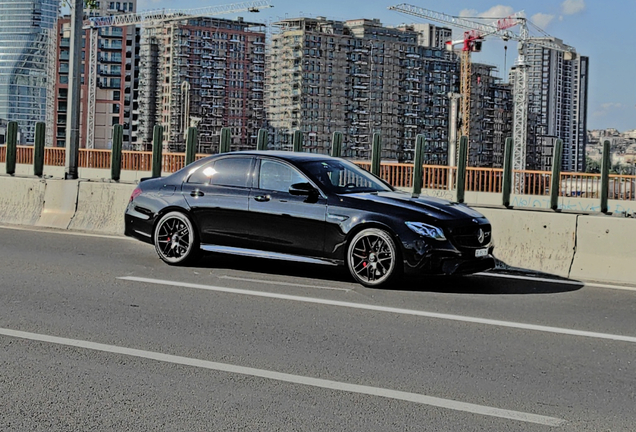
[473, 38]
[148, 18]
[501, 28]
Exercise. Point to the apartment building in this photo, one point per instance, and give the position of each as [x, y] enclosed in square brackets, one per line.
[359, 78]
[115, 69]
[26, 28]
[203, 72]
[557, 108]
[490, 117]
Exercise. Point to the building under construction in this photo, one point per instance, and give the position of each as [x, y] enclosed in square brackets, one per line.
[360, 78]
[202, 72]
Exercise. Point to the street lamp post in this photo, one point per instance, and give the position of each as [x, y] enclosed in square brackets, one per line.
[74, 89]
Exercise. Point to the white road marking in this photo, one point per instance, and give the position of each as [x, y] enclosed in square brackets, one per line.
[72, 233]
[435, 315]
[558, 281]
[270, 282]
[294, 379]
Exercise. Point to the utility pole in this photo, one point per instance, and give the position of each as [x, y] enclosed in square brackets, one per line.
[74, 89]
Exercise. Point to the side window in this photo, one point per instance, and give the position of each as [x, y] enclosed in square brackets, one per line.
[224, 172]
[202, 174]
[277, 176]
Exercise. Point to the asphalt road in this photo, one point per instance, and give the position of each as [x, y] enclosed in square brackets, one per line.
[96, 333]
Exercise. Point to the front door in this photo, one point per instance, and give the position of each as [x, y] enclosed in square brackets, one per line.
[283, 222]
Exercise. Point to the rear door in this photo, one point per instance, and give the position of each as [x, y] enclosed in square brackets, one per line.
[218, 195]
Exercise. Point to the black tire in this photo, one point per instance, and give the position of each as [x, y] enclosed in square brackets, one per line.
[373, 258]
[176, 241]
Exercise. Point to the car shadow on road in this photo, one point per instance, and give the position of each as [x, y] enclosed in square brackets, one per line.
[494, 283]
[502, 282]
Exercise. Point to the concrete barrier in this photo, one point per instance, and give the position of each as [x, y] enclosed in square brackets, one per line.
[21, 200]
[535, 240]
[606, 249]
[60, 201]
[101, 206]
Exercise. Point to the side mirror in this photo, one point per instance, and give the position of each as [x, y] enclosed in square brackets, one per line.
[302, 189]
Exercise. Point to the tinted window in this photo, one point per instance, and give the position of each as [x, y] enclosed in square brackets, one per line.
[224, 172]
[277, 176]
[340, 176]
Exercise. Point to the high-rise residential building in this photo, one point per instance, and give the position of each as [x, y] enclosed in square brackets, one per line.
[557, 109]
[115, 72]
[26, 27]
[359, 78]
[490, 117]
[203, 72]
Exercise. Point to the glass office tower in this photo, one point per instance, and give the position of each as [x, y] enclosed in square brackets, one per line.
[25, 29]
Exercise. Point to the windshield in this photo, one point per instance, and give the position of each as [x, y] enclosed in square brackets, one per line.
[340, 176]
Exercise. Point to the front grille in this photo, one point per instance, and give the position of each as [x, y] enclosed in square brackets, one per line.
[468, 236]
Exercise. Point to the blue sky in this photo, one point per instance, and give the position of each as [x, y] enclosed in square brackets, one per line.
[598, 29]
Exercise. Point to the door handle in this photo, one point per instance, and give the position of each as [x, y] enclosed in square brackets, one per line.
[262, 198]
[196, 193]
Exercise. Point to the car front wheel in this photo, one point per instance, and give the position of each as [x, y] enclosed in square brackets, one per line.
[372, 258]
[175, 240]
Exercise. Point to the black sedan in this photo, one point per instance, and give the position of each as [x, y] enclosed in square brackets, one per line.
[309, 208]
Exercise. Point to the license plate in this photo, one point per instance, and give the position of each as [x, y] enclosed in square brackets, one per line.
[481, 252]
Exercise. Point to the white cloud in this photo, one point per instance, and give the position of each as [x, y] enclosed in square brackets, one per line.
[498, 11]
[607, 107]
[468, 13]
[571, 7]
[612, 105]
[542, 20]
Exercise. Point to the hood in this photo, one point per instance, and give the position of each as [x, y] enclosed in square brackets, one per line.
[436, 208]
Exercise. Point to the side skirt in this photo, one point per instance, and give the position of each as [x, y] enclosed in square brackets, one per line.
[269, 255]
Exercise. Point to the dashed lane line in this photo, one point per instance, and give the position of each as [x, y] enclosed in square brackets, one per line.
[434, 315]
[294, 379]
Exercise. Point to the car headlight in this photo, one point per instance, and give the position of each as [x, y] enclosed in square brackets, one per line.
[426, 230]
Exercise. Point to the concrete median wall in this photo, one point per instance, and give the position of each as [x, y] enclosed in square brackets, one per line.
[606, 249]
[101, 206]
[536, 240]
[21, 200]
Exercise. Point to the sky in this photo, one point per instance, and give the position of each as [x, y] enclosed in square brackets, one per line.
[597, 29]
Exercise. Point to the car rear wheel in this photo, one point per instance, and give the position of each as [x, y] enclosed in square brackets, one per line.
[372, 258]
[175, 240]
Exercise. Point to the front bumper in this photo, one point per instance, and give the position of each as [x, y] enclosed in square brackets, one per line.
[431, 257]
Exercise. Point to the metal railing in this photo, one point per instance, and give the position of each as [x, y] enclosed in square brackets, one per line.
[582, 185]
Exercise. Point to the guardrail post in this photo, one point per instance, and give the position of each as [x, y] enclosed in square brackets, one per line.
[226, 140]
[297, 141]
[157, 147]
[461, 168]
[605, 169]
[376, 154]
[191, 145]
[115, 153]
[336, 144]
[418, 162]
[12, 147]
[261, 140]
[38, 149]
[506, 186]
[555, 180]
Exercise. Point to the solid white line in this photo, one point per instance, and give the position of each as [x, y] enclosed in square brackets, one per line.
[460, 318]
[294, 379]
[263, 281]
[558, 281]
[73, 233]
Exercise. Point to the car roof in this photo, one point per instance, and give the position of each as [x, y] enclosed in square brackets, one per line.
[285, 155]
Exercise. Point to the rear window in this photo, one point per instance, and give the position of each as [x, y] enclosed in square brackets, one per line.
[229, 171]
